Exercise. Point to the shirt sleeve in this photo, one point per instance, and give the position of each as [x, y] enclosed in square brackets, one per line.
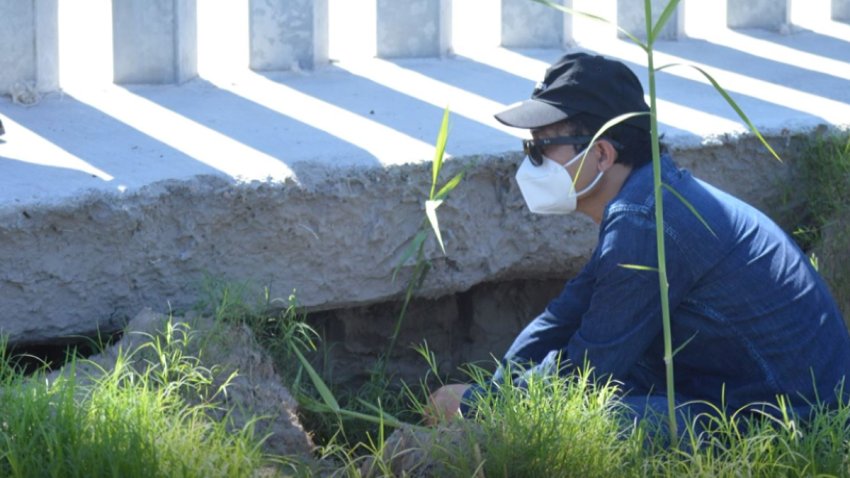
[552, 329]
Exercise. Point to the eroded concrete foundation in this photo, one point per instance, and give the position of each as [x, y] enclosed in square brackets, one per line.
[334, 238]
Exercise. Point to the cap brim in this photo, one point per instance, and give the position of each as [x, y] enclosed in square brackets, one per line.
[531, 114]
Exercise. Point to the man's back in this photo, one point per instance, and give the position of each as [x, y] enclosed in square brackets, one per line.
[756, 318]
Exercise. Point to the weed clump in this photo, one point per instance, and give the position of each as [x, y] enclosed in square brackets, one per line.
[129, 421]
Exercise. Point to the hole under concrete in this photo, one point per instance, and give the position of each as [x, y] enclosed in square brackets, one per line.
[29, 357]
[473, 326]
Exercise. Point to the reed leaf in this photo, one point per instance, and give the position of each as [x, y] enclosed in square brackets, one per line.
[689, 206]
[439, 151]
[662, 20]
[731, 102]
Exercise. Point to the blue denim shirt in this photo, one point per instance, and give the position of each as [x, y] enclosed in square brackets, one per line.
[756, 320]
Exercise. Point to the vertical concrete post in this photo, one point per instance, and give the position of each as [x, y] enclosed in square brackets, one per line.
[567, 32]
[288, 34]
[841, 10]
[631, 16]
[527, 24]
[154, 41]
[768, 14]
[413, 28]
[29, 45]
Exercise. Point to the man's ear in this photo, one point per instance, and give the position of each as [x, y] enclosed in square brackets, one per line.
[607, 154]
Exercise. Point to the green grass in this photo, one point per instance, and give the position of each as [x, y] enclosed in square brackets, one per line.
[557, 427]
[132, 421]
[823, 178]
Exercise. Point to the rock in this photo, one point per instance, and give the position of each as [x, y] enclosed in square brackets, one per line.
[415, 452]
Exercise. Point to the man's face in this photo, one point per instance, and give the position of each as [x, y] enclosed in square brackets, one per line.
[582, 171]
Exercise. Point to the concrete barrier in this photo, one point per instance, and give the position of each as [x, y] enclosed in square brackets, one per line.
[288, 34]
[29, 46]
[841, 10]
[532, 25]
[769, 14]
[154, 41]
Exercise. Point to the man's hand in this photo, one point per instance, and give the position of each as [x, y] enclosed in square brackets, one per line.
[444, 404]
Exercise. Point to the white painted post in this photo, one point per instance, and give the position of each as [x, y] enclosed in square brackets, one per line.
[288, 34]
[154, 41]
[413, 28]
[29, 45]
[768, 14]
[631, 17]
[527, 24]
[841, 10]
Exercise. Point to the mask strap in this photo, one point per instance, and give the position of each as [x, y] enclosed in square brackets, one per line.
[595, 180]
[590, 186]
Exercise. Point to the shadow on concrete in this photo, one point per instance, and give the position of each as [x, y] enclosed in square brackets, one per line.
[400, 111]
[13, 170]
[808, 41]
[478, 78]
[131, 157]
[755, 66]
[255, 125]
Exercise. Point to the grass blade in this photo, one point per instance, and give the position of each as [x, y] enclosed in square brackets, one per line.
[323, 389]
[415, 244]
[378, 410]
[731, 102]
[684, 344]
[449, 186]
[605, 127]
[689, 206]
[638, 267]
[439, 151]
[662, 20]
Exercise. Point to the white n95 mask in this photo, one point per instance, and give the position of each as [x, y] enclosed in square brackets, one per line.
[548, 188]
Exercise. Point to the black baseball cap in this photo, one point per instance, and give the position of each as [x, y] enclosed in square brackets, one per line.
[580, 83]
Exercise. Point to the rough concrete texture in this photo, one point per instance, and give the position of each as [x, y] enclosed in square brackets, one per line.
[335, 239]
[282, 34]
[531, 25]
[154, 41]
[840, 10]
[17, 35]
[770, 14]
[409, 28]
[254, 393]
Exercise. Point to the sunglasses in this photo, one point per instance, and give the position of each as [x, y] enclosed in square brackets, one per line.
[533, 148]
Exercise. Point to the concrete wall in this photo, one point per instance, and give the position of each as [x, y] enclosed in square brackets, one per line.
[155, 41]
[769, 14]
[288, 34]
[29, 44]
[93, 262]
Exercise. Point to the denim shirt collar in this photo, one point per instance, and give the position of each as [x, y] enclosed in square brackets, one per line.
[637, 188]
